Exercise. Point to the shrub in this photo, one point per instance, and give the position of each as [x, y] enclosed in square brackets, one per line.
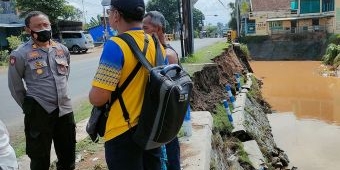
[331, 52]
[14, 42]
[245, 50]
[4, 56]
[334, 39]
[336, 61]
[221, 122]
[196, 34]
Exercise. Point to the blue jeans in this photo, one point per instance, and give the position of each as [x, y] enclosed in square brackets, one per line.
[122, 152]
[173, 154]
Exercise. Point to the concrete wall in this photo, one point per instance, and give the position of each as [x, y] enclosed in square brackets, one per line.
[337, 17]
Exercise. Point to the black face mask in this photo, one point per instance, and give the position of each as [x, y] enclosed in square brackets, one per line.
[42, 35]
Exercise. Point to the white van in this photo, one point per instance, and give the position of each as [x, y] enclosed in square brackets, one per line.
[77, 41]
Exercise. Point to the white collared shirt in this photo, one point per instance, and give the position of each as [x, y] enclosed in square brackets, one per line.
[8, 160]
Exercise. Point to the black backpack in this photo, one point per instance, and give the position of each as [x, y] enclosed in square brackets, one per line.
[166, 99]
[97, 122]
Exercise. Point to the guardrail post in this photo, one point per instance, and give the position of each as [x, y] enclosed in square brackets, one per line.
[230, 117]
[187, 127]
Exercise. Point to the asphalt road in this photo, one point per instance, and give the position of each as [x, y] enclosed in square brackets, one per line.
[83, 67]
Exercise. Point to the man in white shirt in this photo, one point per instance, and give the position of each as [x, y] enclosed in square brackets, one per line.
[8, 160]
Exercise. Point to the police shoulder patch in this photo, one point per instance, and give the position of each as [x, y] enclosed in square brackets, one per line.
[12, 60]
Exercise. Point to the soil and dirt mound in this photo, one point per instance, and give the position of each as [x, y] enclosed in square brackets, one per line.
[210, 82]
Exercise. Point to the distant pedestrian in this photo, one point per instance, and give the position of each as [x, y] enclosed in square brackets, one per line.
[44, 66]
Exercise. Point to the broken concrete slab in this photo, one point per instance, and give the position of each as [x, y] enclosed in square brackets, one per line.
[254, 153]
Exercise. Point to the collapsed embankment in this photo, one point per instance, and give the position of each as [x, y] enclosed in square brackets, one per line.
[209, 91]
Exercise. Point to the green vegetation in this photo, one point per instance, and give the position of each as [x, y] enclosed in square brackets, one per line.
[205, 55]
[4, 57]
[255, 89]
[245, 51]
[333, 38]
[169, 9]
[55, 9]
[14, 42]
[221, 122]
[82, 111]
[220, 145]
[332, 56]
[93, 22]
[19, 145]
[89, 146]
[244, 8]
[196, 61]
[243, 155]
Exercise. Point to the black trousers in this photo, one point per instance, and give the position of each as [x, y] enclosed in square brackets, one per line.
[41, 128]
[122, 153]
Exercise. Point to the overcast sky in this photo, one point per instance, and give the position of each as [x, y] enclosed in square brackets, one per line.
[209, 8]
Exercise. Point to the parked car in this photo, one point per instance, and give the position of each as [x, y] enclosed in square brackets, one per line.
[77, 41]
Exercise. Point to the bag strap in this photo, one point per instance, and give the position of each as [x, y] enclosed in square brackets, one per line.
[133, 73]
[119, 90]
[138, 54]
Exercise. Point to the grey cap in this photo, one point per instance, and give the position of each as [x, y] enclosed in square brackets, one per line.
[106, 2]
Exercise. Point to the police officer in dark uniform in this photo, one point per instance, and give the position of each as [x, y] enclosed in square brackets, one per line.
[44, 66]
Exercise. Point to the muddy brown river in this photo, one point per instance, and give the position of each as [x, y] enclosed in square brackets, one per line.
[307, 120]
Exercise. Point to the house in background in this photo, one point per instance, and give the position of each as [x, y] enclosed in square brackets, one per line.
[10, 23]
[269, 17]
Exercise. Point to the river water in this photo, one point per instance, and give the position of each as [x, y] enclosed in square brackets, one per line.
[307, 120]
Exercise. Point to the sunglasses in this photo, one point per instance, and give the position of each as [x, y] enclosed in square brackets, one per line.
[108, 11]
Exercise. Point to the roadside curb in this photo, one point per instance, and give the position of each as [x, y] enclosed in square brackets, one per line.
[196, 149]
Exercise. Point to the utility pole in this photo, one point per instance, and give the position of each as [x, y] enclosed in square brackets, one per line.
[105, 25]
[188, 27]
[237, 17]
[180, 27]
[105, 3]
[82, 1]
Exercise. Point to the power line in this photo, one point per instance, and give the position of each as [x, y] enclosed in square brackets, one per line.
[222, 4]
[86, 2]
[83, 11]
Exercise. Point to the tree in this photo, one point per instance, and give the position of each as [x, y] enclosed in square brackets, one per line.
[244, 8]
[169, 8]
[220, 28]
[211, 30]
[198, 18]
[94, 22]
[71, 13]
[55, 9]
[232, 23]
